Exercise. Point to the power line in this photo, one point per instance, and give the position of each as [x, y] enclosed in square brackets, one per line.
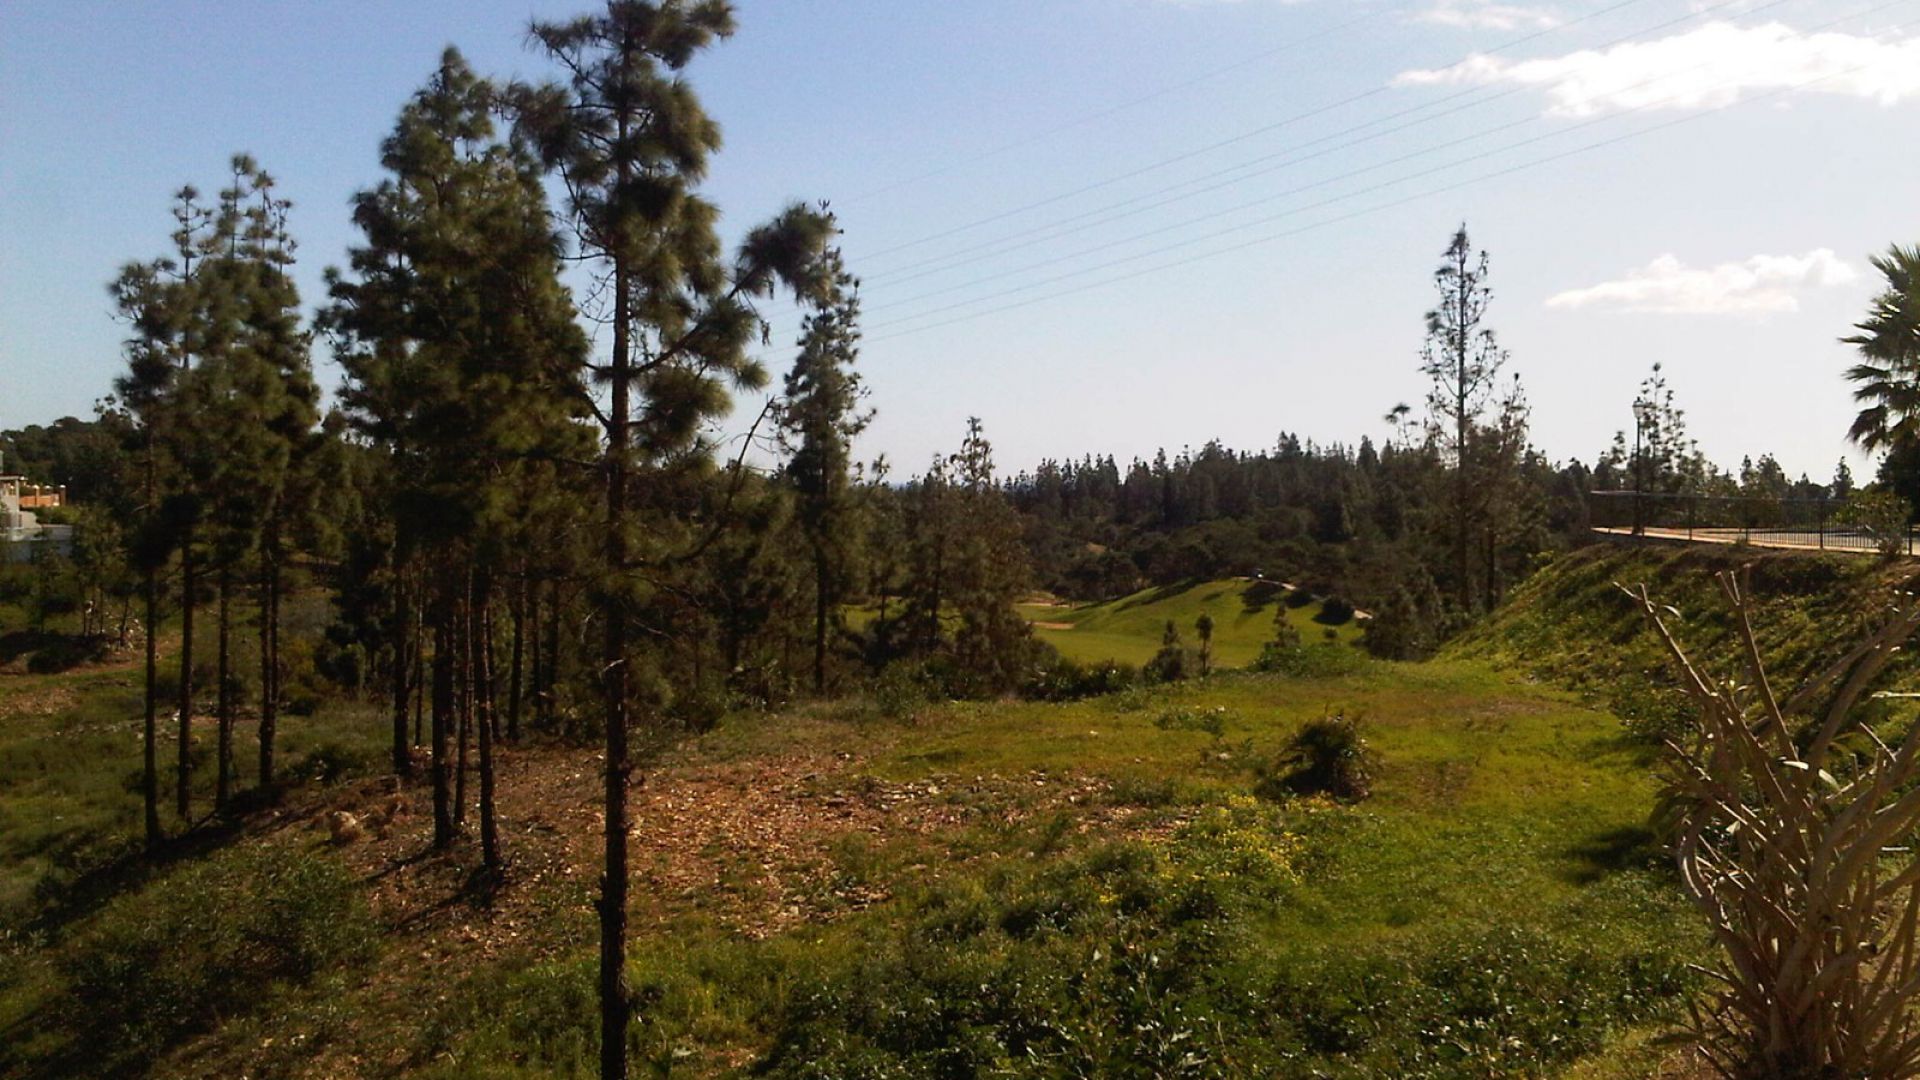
[1351, 174]
[1236, 139]
[1366, 211]
[1290, 156]
[1120, 107]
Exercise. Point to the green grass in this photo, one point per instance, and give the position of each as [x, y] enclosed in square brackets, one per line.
[1571, 623]
[1495, 908]
[1128, 630]
[1091, 888]
[70, 763]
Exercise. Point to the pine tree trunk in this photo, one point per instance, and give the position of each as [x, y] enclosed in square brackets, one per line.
[150, 771]
[536, 661]
[486, 674]
[267, 710]
[463, 691]
[419, 670]
[820, 586]
[549, 702]
[223, 769]
[489, 832]
[189, 584]
[516, 662]
[402, 669]
[442, 764]
[616, 1003]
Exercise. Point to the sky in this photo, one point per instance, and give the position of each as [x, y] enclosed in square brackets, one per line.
[1103, 226]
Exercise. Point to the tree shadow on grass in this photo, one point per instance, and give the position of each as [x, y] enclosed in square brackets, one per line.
[1630, 847]
[1163, 592]
[1258, 595]
[131, 868]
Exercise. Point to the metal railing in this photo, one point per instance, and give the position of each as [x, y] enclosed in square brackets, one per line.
[1803, 524]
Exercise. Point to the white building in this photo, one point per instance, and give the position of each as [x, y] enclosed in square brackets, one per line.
[21, 532]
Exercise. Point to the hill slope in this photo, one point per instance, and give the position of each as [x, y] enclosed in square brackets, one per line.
[1128, 630]
[1109, 887]
[1571, 624]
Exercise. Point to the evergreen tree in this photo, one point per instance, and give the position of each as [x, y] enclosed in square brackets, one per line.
[1462, 361]
[819, 420]
[630, 142]
[462, 357]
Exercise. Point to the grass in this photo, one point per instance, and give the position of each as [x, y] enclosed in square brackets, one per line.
[1128, 630]
[1571, 624]
[970, 888]
[1493, 910]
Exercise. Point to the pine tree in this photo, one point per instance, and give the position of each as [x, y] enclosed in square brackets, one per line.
[146, 298]
[462, 358]
[1462, 361]
[819, 420]
[630, 141]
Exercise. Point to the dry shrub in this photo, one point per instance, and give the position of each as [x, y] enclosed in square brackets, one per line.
[1788, 848]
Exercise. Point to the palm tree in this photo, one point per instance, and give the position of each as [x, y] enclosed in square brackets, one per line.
[1887, 380]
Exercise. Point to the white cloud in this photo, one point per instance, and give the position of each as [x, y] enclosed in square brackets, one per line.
[1761, 285]
[1716, 64]
[1485, 15]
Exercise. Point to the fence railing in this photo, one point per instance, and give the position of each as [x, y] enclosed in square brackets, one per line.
[1733, 519]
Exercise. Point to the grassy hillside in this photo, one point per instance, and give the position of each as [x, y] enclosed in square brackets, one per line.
[1113, 887]
[1128, 630]
[1570, 623]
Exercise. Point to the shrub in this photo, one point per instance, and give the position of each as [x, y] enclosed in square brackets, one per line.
[1213, 721]
[332, 759]
[1328, 756]
[1170, 663]
[1334, 611]
[1817, 917]
[1155, 959]
[1060, 679]
[1882, 515]
[901, 688]
[206, 943]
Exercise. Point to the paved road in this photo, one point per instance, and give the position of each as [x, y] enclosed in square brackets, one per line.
[1857, 543]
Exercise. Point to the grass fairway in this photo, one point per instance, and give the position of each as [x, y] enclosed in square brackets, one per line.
[1128, 630]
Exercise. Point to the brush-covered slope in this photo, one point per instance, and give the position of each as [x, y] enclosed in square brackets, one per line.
[1571, 623]
[1129, 629]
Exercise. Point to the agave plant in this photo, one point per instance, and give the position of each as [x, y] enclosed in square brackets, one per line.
[1791, 848]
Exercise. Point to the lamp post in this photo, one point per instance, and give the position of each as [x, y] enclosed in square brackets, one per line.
[1642, 420]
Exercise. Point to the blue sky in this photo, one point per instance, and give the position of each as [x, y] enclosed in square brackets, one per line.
[1106, 225]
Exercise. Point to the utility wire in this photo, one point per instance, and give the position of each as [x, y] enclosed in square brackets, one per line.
[1364, 212]
[1236, 139]
[1353, 173]
[1289, 157]
[1101, 114]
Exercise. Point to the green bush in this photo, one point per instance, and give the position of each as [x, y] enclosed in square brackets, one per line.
[901, 689]
[1061, 679]
[1882, 515]
[1509, 1002]
[207, 943]
[1170, 663]
[1154, 959]
[1335, 611]
[1213, 721]
[1328, 756]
